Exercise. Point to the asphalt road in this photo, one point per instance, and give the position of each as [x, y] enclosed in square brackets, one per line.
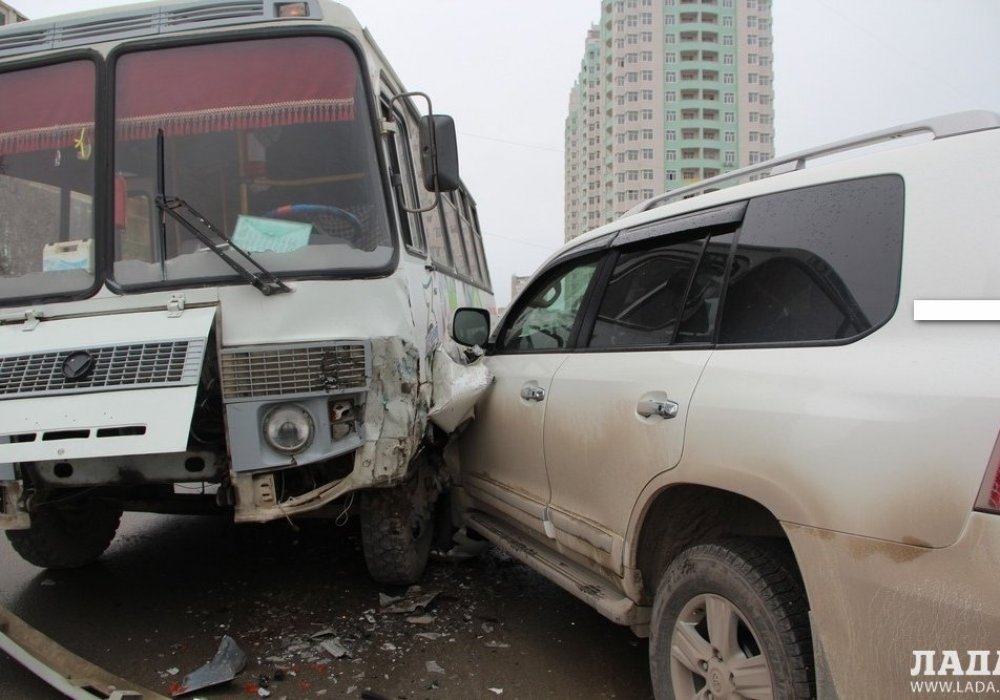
[156, 606]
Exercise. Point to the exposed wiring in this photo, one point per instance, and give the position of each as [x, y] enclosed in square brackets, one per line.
[343, 517]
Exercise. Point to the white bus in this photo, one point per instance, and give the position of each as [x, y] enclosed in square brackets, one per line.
[230, 247]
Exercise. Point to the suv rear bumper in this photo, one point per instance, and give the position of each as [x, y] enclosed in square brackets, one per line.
[875, 604]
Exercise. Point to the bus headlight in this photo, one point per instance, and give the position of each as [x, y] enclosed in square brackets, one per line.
[288, 428]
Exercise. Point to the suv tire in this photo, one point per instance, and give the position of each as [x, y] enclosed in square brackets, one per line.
[67, 537]
[730, 617]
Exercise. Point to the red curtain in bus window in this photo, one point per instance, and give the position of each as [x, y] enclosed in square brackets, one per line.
[234, 85]
[47, 107]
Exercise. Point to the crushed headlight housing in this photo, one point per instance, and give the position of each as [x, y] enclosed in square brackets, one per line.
[342, 418]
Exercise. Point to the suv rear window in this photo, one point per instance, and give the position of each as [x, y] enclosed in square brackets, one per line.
[816, 264]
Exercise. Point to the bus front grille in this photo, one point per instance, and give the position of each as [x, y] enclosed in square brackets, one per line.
[137, 365]
[250, 373]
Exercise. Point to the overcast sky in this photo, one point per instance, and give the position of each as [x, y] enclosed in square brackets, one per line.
[504, 71]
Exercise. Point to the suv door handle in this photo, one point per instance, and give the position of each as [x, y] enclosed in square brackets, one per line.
[532, 392]
[647, 408]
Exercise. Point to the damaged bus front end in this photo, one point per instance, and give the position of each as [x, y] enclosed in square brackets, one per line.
[227, 293]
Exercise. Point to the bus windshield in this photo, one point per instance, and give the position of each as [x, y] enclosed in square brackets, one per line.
[47, 180]
[268, 140]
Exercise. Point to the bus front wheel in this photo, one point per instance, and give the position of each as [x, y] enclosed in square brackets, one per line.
[397, 530]
[67, 536]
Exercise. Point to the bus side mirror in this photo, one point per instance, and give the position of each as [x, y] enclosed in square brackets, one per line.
[439, 153]
[471, 326]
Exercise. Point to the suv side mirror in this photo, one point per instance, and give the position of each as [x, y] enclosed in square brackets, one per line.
[471, 326]
[439, 153]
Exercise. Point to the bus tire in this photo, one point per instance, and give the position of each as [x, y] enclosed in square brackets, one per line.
[396, 533]
[68, 536]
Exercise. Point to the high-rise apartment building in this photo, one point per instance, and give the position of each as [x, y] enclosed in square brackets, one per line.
[670, 92]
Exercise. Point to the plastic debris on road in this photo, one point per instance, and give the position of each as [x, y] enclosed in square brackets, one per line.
[335, 648]
[227, 663]
[414, 600]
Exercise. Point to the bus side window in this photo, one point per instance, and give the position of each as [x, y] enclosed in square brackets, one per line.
[454, 233]
[474, 216]
[468, 236]
[470, 232]
[484, 278]
[437, 240]
[403, 180]
[433, 221]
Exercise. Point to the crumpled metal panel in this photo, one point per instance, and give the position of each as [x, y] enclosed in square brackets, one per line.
[457, 388]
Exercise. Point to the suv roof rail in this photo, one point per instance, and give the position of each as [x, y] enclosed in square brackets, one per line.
[939, 127]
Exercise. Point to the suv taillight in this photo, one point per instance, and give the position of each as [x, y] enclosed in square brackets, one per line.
[989, 494]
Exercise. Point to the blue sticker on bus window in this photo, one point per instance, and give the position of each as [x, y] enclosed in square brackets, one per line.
[258, 235]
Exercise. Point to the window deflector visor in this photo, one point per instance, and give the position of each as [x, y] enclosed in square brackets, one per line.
[726, 216]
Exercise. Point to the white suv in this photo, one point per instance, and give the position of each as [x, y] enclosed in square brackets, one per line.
[717, 420]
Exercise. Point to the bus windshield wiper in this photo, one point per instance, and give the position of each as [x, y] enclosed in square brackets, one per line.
[205, 231]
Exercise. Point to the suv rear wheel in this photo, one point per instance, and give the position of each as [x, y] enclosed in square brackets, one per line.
[730, 620]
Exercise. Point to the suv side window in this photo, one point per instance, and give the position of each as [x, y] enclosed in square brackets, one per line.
[664, 293]
[547, 315]
[816, 264]
[701, 307]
